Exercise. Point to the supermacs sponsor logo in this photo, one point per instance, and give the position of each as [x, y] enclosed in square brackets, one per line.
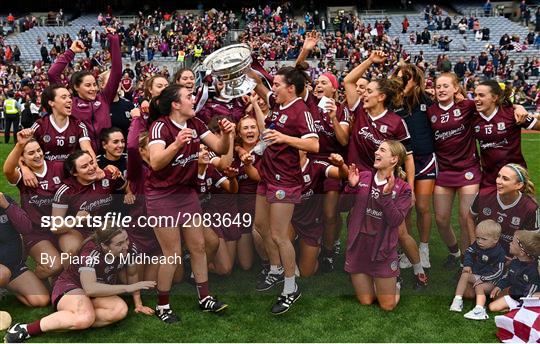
[374, 213]
[364, 132]
[443, 135]
[180, 160]
[489, 145]
[90, 206]
[39, 201]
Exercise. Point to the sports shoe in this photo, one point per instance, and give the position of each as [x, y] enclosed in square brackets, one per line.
[166, 315]
[457, 305]
[269, 281]
[399, 283]
[421, 281]
[404, 262]
[211, 304]
[477, 313]
[285, 302]
[327, 264]
[16, 334]
[452, 262]
[262, 274]
[424, 257]
[337, 248]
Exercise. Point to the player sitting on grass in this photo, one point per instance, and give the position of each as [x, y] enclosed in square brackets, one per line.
[483, 265]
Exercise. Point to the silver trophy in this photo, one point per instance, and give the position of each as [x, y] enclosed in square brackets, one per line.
[230, 64]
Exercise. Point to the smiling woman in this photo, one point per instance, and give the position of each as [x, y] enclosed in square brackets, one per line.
[90, 106]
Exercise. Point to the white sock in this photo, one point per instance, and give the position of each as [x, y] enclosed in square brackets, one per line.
[418, 269]
[424, 246]
[275, 269]
[458, 297]
[162, 307]
[479, 306]
[457, 254]
[290, 285]
[296, 271]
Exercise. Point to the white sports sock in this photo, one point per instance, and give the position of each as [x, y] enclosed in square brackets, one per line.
[275, 269]
[457, 254]
[424, 246]
[418, 269]
[458, 297]
[162, 307]
[479, 306]
[290, 285]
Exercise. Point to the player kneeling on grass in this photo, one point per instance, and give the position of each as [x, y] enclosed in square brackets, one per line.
[382, 202]
[86, 294]
[483, 264]
[522, 278]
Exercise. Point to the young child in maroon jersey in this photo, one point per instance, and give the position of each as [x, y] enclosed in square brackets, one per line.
[483, 265]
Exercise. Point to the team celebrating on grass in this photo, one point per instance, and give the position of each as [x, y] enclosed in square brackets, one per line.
[283, 164]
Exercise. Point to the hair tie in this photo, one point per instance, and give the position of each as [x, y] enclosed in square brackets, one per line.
[518, 172]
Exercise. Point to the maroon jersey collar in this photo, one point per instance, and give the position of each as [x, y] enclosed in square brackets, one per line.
[447, 107]
[281, 107]
[513, 204]
[490, 117]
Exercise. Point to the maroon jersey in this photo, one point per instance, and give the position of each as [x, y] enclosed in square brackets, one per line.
[233, 109]
[92, 258]
[499, 137]
[455, 146]
[182, 169]
[369, 132]
[37, 202]
[95, 198]
[308, 213]
[378, 215]
[523, 214]
[245, 184]
[58, 143]
[209, 183]
[328, 142]
[280, 162]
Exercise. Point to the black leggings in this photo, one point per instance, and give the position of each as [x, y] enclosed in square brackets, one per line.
[11, 120]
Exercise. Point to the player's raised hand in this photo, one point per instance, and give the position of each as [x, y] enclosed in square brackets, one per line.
[226, 126]
[230, 172]
[184, 136]
[378, 56]
[115, 171]
[77, 47]
[390, 182]
[354, 175]
[24, 136]
[311, 40]
[336, 159]
[247, 158]
[331, 108]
